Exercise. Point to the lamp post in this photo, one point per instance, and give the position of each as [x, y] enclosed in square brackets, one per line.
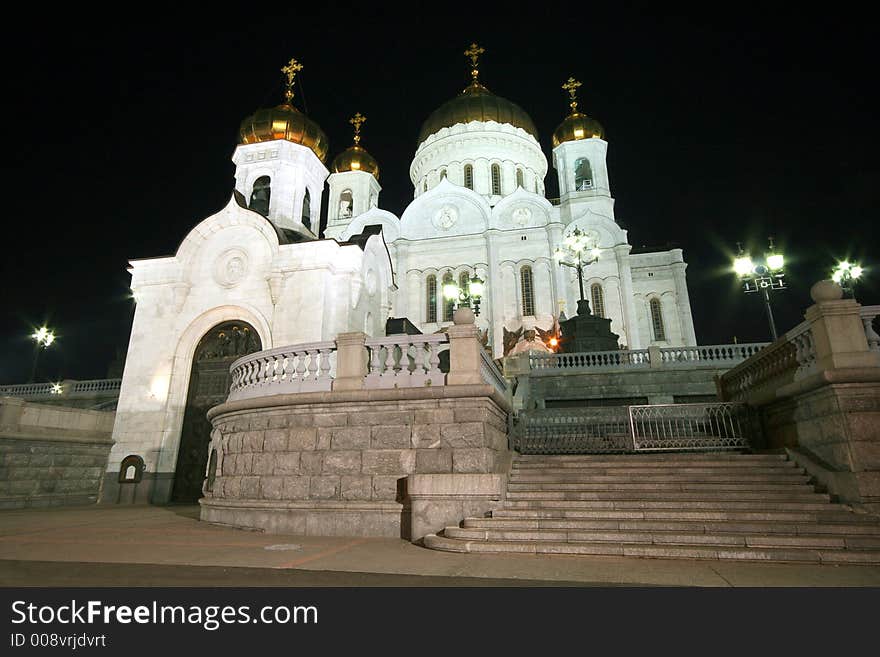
[578, 253]
[42, 337]
[762, 275]
[467, 297]
[847, 274]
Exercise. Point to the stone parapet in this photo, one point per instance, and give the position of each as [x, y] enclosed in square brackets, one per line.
[336, 463]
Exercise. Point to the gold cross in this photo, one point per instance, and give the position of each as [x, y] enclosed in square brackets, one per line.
[293, 67]
[571, 87]
[474, 52]
[357, 121]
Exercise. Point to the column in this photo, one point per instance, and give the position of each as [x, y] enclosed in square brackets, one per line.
[684, 304]
[633, 341]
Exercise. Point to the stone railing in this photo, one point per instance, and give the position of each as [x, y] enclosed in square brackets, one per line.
[791, 356]
[868, 314]
[491, 374]
[67, 387]
[405, 361]
[297, 368]
[710, 357]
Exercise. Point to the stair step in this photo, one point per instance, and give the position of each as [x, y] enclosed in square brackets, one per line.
[655, 551]
[757, 527]
[665, 465]
[678, 514]
[651, 458]
[640, 471]
[683, 505]
[663, 538]
[666, 478]
[657, 486]
[648, 495]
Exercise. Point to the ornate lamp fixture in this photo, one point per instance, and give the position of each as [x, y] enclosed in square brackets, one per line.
[762, 275]
[467, 297]
[577, 251]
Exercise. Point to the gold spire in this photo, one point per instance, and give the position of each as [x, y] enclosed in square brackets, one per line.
[571, 87]
[474, 52]
[357, 121]
[293, 67]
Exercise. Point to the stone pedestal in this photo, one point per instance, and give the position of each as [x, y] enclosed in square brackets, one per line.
[586, 332]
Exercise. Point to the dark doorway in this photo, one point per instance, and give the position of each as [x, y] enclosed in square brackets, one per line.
[208, 386]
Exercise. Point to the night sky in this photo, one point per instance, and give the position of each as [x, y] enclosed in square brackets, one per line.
[721, 128]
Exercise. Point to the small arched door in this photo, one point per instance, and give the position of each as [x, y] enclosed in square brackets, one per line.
[208, 386]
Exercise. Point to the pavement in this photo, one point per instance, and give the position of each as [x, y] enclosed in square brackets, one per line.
[169, 546]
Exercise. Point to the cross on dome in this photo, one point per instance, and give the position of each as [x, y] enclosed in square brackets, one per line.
[571, 86]
[290, 70]
[474, 52]
[357, 121]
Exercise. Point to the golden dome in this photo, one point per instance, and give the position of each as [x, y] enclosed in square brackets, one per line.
[477, 103]
[284, 122]
[355, 158]
[577, 126]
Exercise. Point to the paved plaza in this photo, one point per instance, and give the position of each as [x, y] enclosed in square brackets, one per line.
[169, 546]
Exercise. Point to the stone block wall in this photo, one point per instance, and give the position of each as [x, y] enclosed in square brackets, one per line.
[838, 425]
[51, 456]
[337, 463]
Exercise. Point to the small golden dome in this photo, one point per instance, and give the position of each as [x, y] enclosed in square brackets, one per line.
[284, 122]
[476, 103]
[355, 158]
[577, 126]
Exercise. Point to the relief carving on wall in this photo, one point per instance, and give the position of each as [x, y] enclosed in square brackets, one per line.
[228, 341]
[445, 217]
[521, 216]
[230, 267]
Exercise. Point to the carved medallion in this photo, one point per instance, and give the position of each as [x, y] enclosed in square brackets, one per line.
[445, 217]
[521, 216]
[231, 267]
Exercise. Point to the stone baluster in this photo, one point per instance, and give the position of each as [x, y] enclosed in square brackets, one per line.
[870, 334]
[433, 360]
[313, 364]
[325, 364]
[300, 365]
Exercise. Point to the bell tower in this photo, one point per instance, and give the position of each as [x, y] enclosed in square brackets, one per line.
[279, 163]
[354, 183]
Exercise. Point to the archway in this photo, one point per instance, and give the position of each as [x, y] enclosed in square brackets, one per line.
[208, 386]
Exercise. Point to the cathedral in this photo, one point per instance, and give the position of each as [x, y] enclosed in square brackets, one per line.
[261, 273]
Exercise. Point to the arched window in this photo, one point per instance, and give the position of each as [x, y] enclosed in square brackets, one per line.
[448, 304]
[463, 280]
[260, 195]
[307, 210]
[598, 300]
[519, 179]
[345, 204]
[496, 179]
[425, 185]
[528, 292]
[583, 174]
[442, 174]
[469, 176]
[431, 299]
[657, 320]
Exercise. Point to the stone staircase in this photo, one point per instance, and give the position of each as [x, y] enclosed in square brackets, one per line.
[753, 507]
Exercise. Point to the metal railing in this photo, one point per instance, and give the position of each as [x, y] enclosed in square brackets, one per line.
[405, 361]
[491, 374]
[296, 368]
[625, 429]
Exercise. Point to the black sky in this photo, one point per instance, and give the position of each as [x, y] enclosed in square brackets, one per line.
[721, 127]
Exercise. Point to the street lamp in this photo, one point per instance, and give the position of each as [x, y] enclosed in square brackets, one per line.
[42, 337]
[467, 297]
[847, 274]
[578, 252]
[762, 276]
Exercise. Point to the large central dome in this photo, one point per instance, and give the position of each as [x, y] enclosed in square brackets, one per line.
[477, 103]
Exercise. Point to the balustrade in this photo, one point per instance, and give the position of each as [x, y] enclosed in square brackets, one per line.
[405, 361]
[285, 370]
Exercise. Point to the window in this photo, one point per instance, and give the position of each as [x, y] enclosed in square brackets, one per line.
[425, 185]
[519, 178]
[307, 210]
[657, 320]
[598, 300]
[583, 174]
[448, 304]
[528, 292]
[469, 176]
[496, 179]
[431, 299]
[345, 204]
[442, 174]
[464, 280]
[260, 195]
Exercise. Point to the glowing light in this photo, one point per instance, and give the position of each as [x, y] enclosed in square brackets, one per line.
[476, 287]
[743, 265]
[43, 336]
[159, 387]
[355, 165]
[554, 342]
[595, 252]
[56, 389]
[451, 291]
[856, 271]
[837, 276]
[843, 265]
[558, 255]
[775, 261]
[578, 133]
